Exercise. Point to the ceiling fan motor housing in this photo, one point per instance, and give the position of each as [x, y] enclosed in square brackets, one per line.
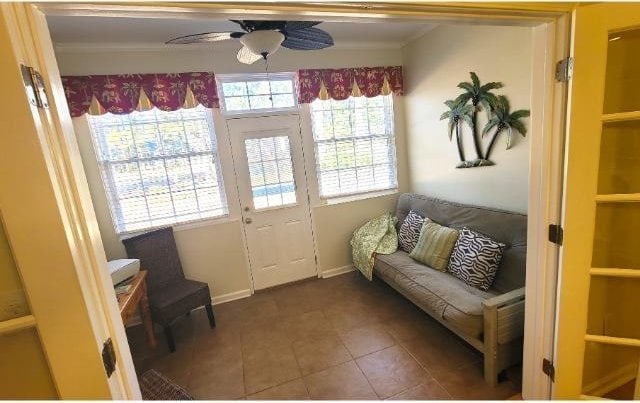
[262, 43]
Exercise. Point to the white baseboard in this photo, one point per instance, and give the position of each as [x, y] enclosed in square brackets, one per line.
[337, 271]
[232, 296]
[611, 381]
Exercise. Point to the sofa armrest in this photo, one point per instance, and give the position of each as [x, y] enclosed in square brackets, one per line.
[504, 299]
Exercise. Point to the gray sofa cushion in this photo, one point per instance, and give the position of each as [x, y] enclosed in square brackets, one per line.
[438, 293]
[503, 226]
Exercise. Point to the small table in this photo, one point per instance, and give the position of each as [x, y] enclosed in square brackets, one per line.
[137, 296]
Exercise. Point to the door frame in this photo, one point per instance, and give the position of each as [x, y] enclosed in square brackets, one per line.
[551, 40]
[250, 115]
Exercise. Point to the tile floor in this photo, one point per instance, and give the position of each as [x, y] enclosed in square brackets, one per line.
[337, 338]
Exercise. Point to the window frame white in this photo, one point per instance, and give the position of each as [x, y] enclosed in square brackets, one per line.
[248, 77]
[358, 195]
[111, 198]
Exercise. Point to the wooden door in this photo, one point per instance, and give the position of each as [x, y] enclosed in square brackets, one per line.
[272, 187]
[598, 331]
[51, 229]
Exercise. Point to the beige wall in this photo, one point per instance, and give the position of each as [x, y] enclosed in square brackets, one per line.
[434, 64]
[214, 252]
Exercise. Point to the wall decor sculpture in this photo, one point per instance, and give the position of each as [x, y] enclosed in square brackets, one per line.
[464, 111]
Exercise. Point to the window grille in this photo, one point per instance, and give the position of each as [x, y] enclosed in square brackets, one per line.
[354, 145]
[159, 168]
[257, 92]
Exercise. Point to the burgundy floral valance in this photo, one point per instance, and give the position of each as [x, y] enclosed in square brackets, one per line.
[340, 84]
[125, 93]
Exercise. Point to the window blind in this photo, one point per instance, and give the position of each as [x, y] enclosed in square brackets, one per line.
[159, 168]
[354, 145]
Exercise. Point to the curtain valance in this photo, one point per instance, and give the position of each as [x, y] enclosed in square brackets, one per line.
[125, 93]
[340, 84]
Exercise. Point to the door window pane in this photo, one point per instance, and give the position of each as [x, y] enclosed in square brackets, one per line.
[270, 172]
[623, 73]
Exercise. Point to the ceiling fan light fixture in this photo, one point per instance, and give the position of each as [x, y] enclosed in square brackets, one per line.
[262, 43]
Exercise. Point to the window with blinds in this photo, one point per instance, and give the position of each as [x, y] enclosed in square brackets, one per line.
[159, 168]
[354, 145]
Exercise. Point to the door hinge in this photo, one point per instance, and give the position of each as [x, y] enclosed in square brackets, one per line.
[34, 84]
[549, 369]
[108, 357]
[564, 69]
[556, 234]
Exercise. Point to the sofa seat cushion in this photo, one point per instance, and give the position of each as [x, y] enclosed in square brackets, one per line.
[439, 293]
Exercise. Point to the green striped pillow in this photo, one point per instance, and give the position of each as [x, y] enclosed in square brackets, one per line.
[435, 245]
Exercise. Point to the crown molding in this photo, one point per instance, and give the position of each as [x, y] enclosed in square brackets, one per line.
[109, 47]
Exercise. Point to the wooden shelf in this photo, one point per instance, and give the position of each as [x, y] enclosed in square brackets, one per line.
[621, 117]
[14, 325]
[618, 198]
[617, 341]
[614, 272]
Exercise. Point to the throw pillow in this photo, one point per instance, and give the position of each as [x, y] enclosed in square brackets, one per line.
[410, 231]
[434, 245]
[475, 259]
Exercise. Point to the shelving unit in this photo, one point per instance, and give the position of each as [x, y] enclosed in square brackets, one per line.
[614, 125]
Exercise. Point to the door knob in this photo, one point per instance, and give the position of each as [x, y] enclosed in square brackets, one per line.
[248, 220]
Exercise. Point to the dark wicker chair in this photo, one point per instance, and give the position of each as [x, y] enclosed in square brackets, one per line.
[171, 295]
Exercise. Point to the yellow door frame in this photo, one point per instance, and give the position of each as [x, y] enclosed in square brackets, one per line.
[551, 25]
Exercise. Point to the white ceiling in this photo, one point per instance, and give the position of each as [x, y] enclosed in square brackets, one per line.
[114, 30]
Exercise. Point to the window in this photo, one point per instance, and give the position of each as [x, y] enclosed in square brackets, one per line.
[271, 171]
[354, 145]
[159, 168]
[257, 92]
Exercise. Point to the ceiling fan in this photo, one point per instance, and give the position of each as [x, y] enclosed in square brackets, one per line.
[263, 38]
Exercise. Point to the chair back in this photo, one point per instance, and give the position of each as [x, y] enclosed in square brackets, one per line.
[158, 255]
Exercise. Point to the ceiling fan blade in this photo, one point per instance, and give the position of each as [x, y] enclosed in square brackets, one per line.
[296, 25]
[204, 37]
[246, 56]
[307, 39]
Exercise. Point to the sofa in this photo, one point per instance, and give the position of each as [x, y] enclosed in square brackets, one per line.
[491, 321]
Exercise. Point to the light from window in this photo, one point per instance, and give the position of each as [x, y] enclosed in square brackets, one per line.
[354, 145]
[257, 92]
[159, 168]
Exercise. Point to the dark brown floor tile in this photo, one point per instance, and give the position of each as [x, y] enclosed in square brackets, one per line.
[343, 382]
[309, 324]
[265, 367]
[265, 336]
[467, 383]
[366, 339]
[346, 315]
[218, 375]
[405, 328]
[440, 352]
[293, 390]
[317, 353]
[391, 371]
[430, 390]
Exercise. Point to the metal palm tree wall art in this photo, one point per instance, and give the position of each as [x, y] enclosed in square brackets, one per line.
[465, 108]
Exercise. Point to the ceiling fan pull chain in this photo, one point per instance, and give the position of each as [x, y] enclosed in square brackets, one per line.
[266, 70]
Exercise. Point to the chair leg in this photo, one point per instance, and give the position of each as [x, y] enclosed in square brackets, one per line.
[170, 341]
[212, 319]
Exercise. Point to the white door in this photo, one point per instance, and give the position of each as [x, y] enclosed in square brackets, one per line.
[272, 186]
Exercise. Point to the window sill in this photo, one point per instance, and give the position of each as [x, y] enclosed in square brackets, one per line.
[184, 226]
[356, 197]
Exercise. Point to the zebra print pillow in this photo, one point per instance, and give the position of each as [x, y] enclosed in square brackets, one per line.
[475, 259]
[410, 231]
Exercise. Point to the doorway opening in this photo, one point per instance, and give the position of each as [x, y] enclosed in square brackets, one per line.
[544, 97]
